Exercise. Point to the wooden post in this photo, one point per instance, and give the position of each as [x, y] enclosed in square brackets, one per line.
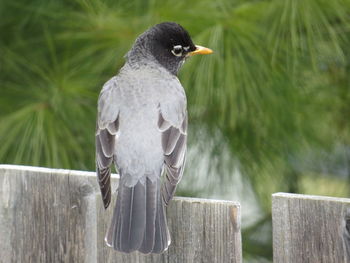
[310, 229]
[51, 215]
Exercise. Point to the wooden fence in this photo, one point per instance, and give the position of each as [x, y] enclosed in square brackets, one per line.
[313, 229]
[51, 215]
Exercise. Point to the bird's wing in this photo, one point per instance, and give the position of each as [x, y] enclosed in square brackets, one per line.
[174, 138]
[106, 130]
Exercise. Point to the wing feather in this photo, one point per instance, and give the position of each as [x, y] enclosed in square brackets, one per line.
[169, 139]
[174, 140]
[106, 130]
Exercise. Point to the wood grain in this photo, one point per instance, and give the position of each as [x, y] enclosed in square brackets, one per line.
[51, 215]
[311, 229]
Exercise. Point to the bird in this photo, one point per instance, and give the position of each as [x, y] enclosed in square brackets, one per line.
[142, 129]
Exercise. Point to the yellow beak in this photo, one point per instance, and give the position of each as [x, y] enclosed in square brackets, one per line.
[200, 50]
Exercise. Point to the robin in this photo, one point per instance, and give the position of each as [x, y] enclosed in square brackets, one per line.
[142, 129]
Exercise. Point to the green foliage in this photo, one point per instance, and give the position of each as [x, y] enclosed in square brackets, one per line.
[276, 88]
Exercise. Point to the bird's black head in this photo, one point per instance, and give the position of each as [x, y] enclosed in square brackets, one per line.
[168, 43]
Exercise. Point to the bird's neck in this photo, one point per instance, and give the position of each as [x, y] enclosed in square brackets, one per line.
[141, 56]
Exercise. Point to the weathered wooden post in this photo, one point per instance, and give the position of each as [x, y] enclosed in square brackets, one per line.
[51, 215]
[312, 229]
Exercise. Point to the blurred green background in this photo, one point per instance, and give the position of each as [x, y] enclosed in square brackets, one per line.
[268, 111]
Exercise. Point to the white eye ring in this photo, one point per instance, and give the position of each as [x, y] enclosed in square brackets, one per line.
[177, 50]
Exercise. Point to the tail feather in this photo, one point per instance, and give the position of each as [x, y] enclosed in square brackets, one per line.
[162, 236]
[133, 217]
[151, 209]
[139, 221]
[109, 239]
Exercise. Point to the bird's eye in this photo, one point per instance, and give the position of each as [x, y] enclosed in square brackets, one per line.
[177, 50]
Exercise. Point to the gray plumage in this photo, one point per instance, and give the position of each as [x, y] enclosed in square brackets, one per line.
[142, 129]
